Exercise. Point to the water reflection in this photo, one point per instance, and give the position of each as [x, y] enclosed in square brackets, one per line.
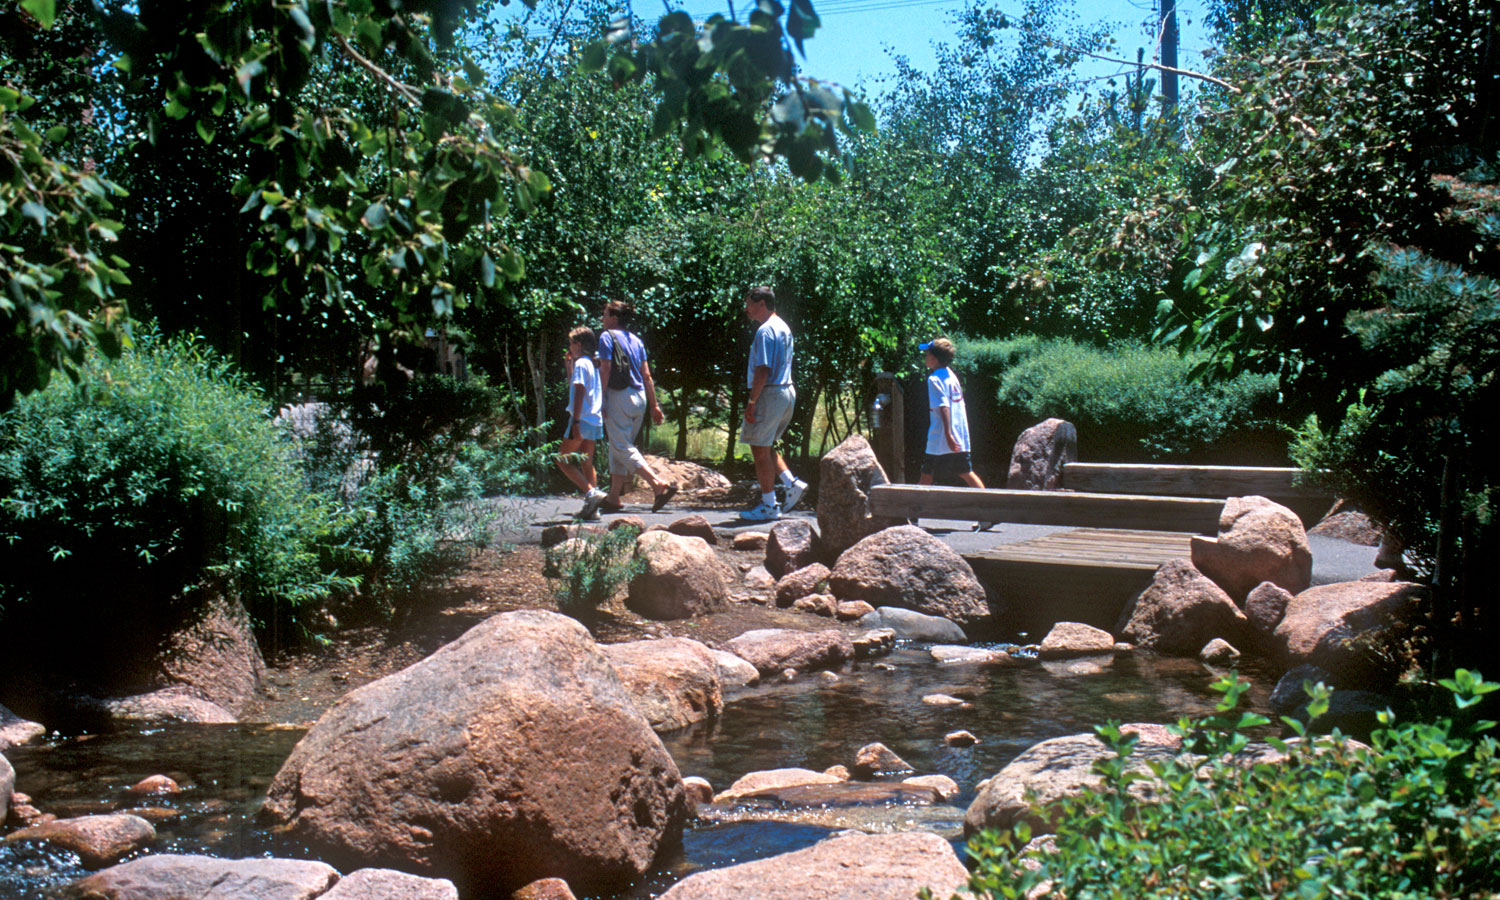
[224, 770]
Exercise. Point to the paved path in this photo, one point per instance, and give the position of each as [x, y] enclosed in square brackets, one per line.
[1333, 559]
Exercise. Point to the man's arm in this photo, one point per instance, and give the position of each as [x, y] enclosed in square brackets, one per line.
[656, 413]
[762, 375]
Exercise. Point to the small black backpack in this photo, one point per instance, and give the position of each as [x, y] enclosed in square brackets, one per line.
[619, 363]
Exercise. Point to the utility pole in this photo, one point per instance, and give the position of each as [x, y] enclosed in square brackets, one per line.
[1168, 31]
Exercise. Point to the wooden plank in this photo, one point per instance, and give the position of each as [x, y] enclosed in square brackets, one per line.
[909, 501]
[1085, 575]
[1274, 482]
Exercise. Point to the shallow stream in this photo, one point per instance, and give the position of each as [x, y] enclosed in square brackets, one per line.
[812, 723]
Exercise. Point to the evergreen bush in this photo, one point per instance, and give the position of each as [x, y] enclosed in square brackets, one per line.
[1129, 402]
[1411, 816]
[154, 472]
[591, 568]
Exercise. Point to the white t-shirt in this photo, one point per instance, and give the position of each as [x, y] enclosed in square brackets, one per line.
[943, 389]
[771, 348]
[586, 374]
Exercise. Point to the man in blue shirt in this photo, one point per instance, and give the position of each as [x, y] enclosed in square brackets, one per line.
[769, 409]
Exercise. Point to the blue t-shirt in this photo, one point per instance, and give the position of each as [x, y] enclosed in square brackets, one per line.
[943, 389]
[634, 349]
[586, 374]
[772, 348]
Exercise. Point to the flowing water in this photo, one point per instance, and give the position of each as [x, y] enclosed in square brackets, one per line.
[812, 723]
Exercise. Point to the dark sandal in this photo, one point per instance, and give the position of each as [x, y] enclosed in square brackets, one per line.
[609, 507]
[664, 498]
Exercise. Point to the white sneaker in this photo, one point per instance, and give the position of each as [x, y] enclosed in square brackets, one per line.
[794, 494]
[984, 526]
[590, 510]
[763, 512]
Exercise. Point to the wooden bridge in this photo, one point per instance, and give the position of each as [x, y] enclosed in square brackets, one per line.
[1131, 518]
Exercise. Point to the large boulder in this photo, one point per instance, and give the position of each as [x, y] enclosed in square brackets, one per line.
[845, 867]
[15, 731]
[675, 681]
[773, 650]
[1036, 463]
[213, 655]
[905, 566]
[791, 545]
[7, 787]
[1058, 768]
[1265, 606]
[173, 877]
[1352, 630]
[389, 884]
[99, 841]
[847, 473]
[1259, 540]
[914, 626]
[512, 754]
[682, 577]
[733, 671]
[1179, 612]
[170, 706]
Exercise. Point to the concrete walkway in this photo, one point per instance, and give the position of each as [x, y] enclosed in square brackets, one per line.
[523, 519]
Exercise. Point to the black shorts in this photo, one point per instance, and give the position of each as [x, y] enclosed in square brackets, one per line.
[946, 465]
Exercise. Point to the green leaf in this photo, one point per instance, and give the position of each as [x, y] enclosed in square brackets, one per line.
[594, 56]
[57, 132]
[860, 114]
[376, 216]
[205, 131]
[44, 11]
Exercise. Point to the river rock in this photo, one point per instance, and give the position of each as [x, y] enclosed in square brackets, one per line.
[1291, 689]
[15, 731]
[1219, 652]
[907, 567]
[749, 541]
[545, 889]
[171, 706]
[172, 877]
[7, 787]
[759, 578]
[843, 795]
[389, 884]
[845, 867]
[1351, 629]
[790, 545]
[1056, 768]
[675, 681]
[960, 739]
[774, 650]
[875, 642]
[874, 760]
[695, 526]
[1180, 611]
[512, 754]
[734, 671]
[825, 605]
[698, 789]
[1067, 639]
[1259, 540]
[798, 583]
[1265, 606]
[852, 610]
[682, 578]
[773, 779]
[946, 787]
[99, 841]
[943, 700]
[154, 784]
[848, 471]
[958, 655]
[1036, 462]
[618, 522]
[914, 626]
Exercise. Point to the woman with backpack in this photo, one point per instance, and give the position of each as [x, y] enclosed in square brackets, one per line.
[629, 393]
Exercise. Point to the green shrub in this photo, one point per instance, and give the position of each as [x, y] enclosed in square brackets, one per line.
[591, 568]
[1128, 401]
[156, 471]
[1414, 815]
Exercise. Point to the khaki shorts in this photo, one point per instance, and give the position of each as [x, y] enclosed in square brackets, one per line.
[773, 413]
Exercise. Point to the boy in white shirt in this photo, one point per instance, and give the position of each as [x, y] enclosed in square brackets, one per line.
[948, 432]
[575, 457]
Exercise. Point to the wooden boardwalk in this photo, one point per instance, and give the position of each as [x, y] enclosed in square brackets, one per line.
[1086, 575]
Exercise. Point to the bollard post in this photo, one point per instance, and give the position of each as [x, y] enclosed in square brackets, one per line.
[888, 427]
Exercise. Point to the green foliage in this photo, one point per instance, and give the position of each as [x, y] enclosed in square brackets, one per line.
[60, 283]
[1411, 816]
[157, 471]
[591, 568]
[1127, 401]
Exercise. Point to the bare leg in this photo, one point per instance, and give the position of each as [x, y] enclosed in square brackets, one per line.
[582, 475]
[972, 480]
[766, 467]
